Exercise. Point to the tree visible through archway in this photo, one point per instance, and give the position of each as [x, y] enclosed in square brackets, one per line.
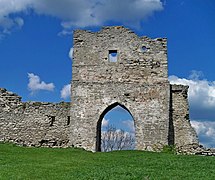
[115, 130]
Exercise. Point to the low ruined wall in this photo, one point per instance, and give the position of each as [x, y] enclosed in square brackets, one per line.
[181, 132]
[48, 124]
[33, 123]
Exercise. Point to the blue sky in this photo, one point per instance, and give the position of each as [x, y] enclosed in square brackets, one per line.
[36, 38]
[120, 119]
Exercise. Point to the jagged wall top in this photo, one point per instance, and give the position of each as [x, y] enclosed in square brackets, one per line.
[144, 58]
[8, 99]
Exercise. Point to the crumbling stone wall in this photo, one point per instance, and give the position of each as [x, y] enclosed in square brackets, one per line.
[137, 81]
[182, 131]
[33, 123]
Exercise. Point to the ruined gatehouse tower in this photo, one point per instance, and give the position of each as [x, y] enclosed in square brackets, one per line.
[135, 78]
[111, 67]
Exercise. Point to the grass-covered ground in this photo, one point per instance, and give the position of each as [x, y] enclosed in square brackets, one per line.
[44, 163]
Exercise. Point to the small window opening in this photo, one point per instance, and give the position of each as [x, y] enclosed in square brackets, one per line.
[52, 120]
[68, 120]
[144, 49]
[113, 55]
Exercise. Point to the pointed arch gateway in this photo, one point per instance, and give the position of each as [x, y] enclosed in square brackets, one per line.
[99, 123]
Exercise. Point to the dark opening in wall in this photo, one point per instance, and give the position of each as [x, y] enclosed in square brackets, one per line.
[68, 120]
[52, 120]
[111, 133]
[113, 55]
[144, 49]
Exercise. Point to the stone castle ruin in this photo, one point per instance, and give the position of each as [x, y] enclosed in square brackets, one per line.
[112, 67]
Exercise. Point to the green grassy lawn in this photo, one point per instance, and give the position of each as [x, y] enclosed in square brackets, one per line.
[45, 163]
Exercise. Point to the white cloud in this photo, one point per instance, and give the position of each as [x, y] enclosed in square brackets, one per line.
[113, 58]
[105, 123]
[65, 32]
[71, 54]
[201, 92]
[129, 124]
[205, 131]
[66, 91]
[71, 12]
[8, 8]
[35, 84]
[129, 12]
[83, 13]
[19, 22]
[80, 13]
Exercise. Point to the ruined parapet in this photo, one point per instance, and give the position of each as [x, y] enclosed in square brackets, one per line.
[33, 123]
[182, 131]
[8, 99]
[137, 59]
[115, 66]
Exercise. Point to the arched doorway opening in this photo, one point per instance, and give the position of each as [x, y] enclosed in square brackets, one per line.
[115, 129]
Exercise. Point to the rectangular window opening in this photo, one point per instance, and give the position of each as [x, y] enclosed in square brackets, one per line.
[68, 120]
[113, 55]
